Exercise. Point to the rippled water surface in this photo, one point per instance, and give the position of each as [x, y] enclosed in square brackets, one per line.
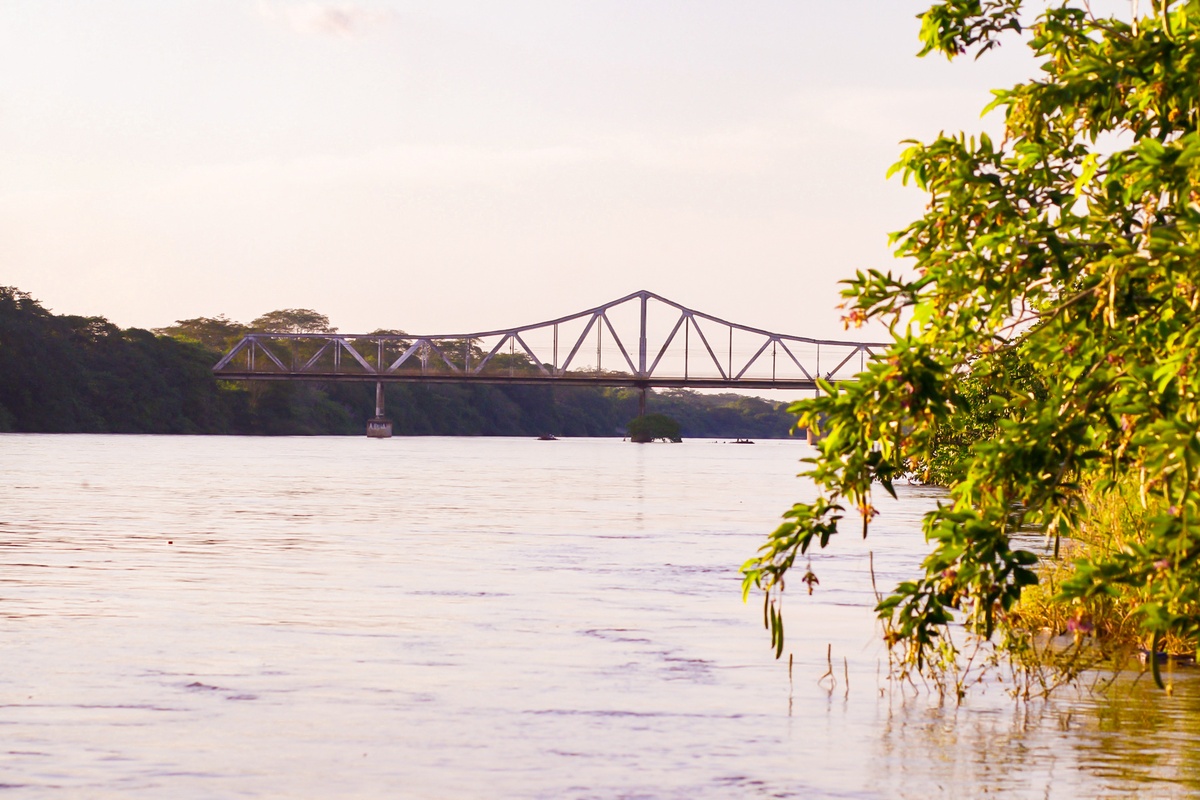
[462, 618]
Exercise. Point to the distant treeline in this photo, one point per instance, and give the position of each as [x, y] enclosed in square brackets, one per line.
[70, 374]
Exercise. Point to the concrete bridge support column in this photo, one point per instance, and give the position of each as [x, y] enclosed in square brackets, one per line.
[379, 427]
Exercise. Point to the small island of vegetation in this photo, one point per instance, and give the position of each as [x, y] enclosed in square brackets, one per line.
[652, 427]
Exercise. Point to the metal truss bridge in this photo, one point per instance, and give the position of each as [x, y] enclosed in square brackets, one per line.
[641, 340]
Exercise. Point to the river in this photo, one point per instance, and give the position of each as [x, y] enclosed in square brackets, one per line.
[201, 617]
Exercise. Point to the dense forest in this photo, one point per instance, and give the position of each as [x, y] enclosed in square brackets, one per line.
[72, 374]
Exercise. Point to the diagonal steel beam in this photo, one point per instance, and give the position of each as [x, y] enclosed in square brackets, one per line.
[530, 352]
[708, 347]
[754, 358]
[317, 355]
[795, 360]
[453, 367]
[620, 346]
[842, 363]
[357, 356]
[270, 355]
[412, 348]
[484, 362]
[237, 348]
[667, 343]
[579, 342]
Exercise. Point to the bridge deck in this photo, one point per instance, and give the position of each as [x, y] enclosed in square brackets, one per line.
[524, 380]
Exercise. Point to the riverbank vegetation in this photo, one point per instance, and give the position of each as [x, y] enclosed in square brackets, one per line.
[72, 374]
[1055, 286]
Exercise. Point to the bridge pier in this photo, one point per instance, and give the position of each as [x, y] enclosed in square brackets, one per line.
[379, 427]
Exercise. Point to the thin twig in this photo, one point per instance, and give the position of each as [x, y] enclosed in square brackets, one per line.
[829, 670]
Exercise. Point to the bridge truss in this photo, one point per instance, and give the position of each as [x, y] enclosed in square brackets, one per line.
[641, 340]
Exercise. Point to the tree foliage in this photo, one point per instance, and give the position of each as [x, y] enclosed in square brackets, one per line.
[649, 427]
[292, 320]
[215, 333]
[1072, 247]
[71, 374]
[86, 375]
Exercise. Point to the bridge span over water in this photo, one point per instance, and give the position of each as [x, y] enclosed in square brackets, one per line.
[641, 340]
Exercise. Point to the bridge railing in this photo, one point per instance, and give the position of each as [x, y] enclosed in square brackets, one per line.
[640, 339]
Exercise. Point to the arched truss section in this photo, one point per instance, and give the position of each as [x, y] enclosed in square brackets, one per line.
[641, 339]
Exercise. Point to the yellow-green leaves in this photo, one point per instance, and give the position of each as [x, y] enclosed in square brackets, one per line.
[1049, 334]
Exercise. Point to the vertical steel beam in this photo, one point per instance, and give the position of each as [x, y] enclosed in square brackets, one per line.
[687, 325]
[642, 350]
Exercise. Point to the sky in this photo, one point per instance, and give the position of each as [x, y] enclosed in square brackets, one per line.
[446, 167]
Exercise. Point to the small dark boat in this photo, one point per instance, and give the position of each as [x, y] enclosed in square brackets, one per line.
[742, 441]
[546, 437]
[1184, 660]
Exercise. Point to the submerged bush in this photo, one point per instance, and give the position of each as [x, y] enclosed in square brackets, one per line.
[649, 427]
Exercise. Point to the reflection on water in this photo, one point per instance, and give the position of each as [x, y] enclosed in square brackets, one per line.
[1130, 741]
[210, 617]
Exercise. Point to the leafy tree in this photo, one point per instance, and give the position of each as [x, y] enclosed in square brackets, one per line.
[1073, 243]
[292, 320]
[217, 333]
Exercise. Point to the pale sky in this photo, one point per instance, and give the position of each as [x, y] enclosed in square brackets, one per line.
[445, 167]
